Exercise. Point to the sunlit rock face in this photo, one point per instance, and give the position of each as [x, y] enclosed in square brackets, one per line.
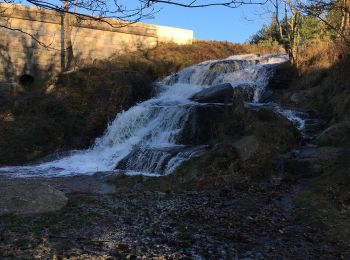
[181, 121]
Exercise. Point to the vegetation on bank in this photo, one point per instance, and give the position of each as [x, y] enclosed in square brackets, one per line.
[325, 74]
[320, 77]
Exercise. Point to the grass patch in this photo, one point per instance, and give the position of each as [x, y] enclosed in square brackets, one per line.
[327, 201]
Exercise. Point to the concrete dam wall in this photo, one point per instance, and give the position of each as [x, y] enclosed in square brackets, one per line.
[21, 54]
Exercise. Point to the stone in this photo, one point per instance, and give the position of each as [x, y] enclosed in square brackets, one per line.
[336, 134]
[216, 94]
[202, 125]
[313, 125]
[267, 96]
[156, 159]
[244, 92]
[30, 198]
[310, 161]
[301, 96]
[225, 93]
[246, 146]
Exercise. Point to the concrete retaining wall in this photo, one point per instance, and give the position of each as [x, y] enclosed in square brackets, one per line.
[91, 40]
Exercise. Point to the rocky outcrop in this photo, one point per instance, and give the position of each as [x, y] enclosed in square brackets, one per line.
[216, 94]
[157, 160]
[244, 92]
[30, 198]
[225, 93]
[202, 125]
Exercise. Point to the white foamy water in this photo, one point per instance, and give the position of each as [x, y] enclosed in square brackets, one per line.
[146, 139]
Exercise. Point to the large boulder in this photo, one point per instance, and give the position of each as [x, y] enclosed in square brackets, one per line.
[216, 94]
[244, 92]
[30, 198]
[277, 133]
[225, 93]
[202, 125]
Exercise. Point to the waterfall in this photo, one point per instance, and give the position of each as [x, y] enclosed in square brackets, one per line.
[156, 136]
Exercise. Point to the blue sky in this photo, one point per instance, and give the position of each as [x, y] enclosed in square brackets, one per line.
[212, 23]
[208, 23]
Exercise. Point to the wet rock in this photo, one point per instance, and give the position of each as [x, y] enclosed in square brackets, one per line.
[312, 126]
[225, 93]
[246, 146]
[267, 96]
[216, 94]
[224, 66]
[157, 159]
[202, 125]
[172, 79]
[244, 92]
[301, 96]
[227, 66]
[30, 198]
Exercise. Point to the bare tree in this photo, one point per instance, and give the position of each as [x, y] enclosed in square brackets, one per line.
[67, 54]
[287, 17]
[293, 7]
[123, 13]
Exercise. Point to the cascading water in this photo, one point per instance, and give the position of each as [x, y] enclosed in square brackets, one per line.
[149, 137]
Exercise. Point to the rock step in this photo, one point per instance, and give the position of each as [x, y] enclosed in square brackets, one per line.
[157, 160]
[225, 93]
[310, 160]
[312, 128]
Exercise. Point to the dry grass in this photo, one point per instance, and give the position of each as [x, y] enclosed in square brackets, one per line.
[320, 55]
[168, 57]
[324, 69]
